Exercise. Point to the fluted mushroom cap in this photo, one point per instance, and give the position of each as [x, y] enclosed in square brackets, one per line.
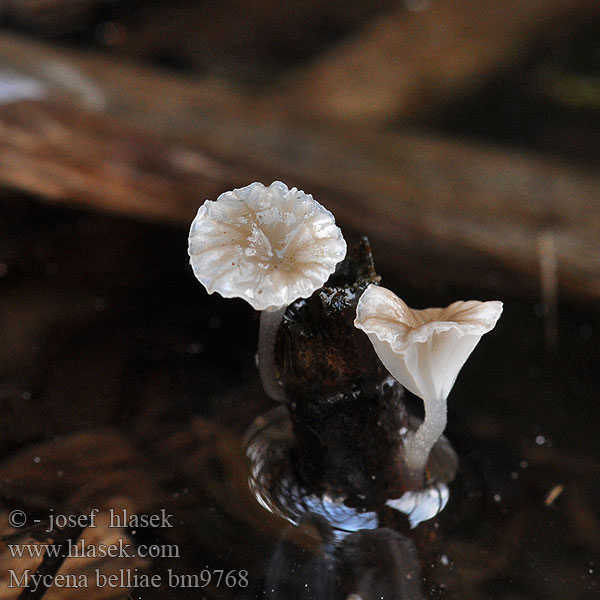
[268, 245]
[424, 349]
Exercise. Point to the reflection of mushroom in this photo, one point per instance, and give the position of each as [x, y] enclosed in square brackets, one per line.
[269, 246]
[424, 350]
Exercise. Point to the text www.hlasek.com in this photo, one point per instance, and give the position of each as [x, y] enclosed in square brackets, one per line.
[81, 550]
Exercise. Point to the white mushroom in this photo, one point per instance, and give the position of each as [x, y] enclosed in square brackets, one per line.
[424, 350]
[270, 246]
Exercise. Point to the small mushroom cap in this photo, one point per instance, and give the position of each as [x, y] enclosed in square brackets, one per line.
[424, 349]
[268, 245]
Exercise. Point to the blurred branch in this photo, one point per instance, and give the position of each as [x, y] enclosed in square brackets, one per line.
[569, 89]
[50, 16]
[156, 145]
[63, 153]
[410, 64]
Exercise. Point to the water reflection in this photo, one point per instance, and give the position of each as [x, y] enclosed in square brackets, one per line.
[273, 479]
[422, 505]
[367, 564]
[349, 548]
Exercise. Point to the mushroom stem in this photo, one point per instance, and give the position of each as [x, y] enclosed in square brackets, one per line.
[267, 335]
[418, 444]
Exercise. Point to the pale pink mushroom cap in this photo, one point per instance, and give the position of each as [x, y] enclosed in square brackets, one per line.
[424, 349]
[268, 245]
